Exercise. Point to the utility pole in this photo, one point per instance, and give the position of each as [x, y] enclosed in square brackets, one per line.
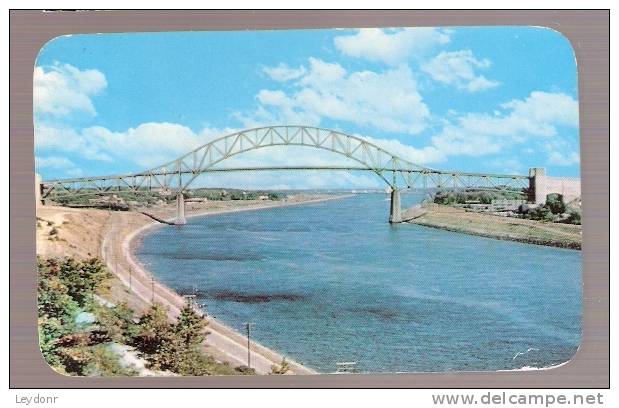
[248, 328]
[152, 285]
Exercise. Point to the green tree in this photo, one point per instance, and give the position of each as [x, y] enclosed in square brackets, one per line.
[118, 323]
[190, 327]
[573, 217]
[82, 278]
[555, 203]
[155, 339]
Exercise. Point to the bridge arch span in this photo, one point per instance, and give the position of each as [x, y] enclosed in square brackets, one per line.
[367, 154]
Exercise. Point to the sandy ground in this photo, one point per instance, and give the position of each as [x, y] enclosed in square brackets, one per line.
[499, 227]
[112, 236]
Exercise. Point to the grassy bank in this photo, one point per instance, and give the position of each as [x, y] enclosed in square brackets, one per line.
[498, 227]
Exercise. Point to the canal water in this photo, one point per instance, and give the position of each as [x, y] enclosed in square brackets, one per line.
[333, 281]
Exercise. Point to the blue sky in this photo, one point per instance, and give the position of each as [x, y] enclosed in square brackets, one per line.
[499, 99]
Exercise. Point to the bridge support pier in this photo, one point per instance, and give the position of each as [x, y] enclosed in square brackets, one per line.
[37, 190]
[395, 211]
[180, 210]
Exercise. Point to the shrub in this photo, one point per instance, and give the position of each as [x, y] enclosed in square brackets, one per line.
[93, 361]
[555, 203]
[245, 370]
[573, 217]
[283, 368]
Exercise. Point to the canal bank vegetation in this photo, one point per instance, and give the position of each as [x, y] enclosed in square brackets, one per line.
[82, 334]
[124, 200]
[511, 203]
[504, 215]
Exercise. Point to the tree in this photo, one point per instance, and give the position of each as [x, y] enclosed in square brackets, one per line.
[81, 279]
[573, 216]
[155, 339]
[118, 322]
[190, 327]
[555, 203]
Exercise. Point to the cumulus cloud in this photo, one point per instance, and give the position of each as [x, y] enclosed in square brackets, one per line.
[561, 152]
[423, 156]
[50, 138]
[388, 100]
[535, 118]
[54, 162]
[63, 164]
[545, 109]
[61, 89]
[458, 68]
[391, 46]
[283, 72]
[149, 144]
[563, 159]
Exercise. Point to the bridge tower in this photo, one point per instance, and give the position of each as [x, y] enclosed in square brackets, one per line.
[537, 185]
[395, 211]
[180, 209]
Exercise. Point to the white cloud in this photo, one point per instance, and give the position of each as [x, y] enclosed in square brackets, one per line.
[423, 156]
[545, 108]
[458, 68]
[507, 165]
[58, 163]
[563, 159]
[62, 139]
[147, 145]
[390, 46]
[561, 152]
[54, 162]
[283, 72]
[387, 100]
[535, 118]
[62, 89]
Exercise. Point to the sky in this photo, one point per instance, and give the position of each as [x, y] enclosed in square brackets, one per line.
[482, 99]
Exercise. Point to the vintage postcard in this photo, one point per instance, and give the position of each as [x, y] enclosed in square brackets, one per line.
[294, 202]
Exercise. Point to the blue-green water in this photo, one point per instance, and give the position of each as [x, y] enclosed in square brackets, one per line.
[333, 281]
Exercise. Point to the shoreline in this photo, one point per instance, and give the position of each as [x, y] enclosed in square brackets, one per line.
[223, 342]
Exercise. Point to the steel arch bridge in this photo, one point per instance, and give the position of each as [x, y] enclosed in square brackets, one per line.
[176, 176]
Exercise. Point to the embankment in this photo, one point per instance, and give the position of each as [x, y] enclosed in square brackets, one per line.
[499, 227]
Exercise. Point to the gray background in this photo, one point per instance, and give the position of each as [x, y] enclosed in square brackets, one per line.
[588, 32]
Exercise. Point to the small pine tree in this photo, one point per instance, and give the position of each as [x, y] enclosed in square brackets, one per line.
[190, 327]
